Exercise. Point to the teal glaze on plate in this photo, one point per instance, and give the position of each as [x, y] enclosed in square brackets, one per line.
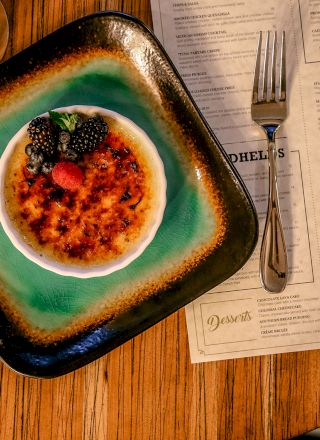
[51, 302]
[111, 59]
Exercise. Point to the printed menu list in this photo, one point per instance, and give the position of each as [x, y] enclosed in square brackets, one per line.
[213, 45]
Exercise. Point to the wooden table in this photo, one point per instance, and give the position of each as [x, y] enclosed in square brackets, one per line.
[147, 388]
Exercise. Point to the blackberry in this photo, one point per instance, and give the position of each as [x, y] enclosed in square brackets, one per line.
[43, 135]
[89, 135]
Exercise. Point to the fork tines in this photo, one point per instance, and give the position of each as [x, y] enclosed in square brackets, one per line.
[262, 89]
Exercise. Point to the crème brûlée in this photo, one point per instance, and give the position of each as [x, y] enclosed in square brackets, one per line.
[100, 220]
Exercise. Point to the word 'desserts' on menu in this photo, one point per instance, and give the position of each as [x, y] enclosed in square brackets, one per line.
[215, 321]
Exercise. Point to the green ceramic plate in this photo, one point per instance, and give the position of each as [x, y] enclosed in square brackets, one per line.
[51, 324]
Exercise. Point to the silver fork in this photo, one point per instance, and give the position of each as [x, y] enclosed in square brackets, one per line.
[269, 110]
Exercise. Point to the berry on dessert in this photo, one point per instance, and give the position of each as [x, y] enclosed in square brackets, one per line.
[47, 167]
[62, 147]
[42, 133]
[89, 135]
[32, 167]
[30, 148]
[71, 155]
[62, 137]
[67, 175]
[36, 157]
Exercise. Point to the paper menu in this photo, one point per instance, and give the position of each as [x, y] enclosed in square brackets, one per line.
[213, 45]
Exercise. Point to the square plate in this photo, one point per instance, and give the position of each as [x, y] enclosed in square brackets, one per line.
[51, 324]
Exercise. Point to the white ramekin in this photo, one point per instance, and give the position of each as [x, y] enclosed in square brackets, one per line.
[111, 266]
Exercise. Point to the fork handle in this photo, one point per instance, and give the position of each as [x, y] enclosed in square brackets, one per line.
[273, 256]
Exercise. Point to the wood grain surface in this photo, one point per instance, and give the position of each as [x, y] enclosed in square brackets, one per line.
[147, 388]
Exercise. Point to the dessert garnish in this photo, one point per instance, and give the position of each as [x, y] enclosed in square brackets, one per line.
[67, 174]
[62, 137]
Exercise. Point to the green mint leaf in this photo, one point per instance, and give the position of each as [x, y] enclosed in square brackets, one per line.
[64, 120]
[57, 119]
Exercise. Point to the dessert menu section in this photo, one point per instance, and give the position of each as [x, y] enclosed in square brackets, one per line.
[213, 45]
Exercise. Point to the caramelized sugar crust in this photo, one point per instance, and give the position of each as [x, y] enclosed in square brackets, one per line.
[95, 223]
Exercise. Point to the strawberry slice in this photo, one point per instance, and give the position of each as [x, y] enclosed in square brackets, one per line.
[67, 174]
